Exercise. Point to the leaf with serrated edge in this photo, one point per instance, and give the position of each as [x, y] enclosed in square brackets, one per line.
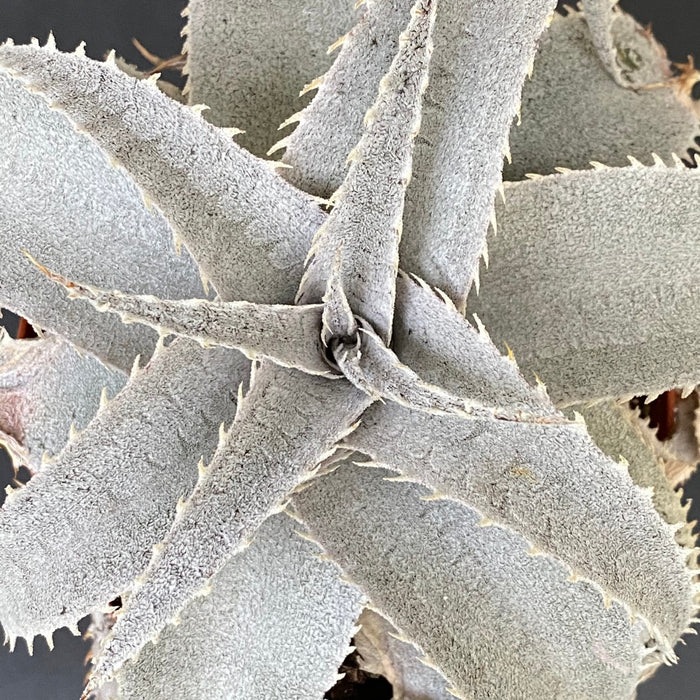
[248, 61]
[481, 58]
[381, 651]
[548, 482]
[51, 178]
[361, 235]
[82, 529]
[429, 568]
[273, 445]
[607, 281]
[288, 335]
[627, 67]
[332, 124]
[231, 210]
[617, 432]
[573, 112]
[45, 387]
[276, 625]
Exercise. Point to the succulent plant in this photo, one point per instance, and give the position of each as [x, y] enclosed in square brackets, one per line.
[311, 332]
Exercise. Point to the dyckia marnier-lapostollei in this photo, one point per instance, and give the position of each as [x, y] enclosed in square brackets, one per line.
[469, 524]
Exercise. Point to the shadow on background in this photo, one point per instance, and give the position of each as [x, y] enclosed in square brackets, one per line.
[107, 24]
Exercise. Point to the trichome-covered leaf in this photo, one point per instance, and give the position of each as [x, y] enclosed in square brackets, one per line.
[604, 302]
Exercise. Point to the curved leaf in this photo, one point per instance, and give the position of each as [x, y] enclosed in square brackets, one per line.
[573, 112]
[607, 281]
[52, 178]
[331, 125]
[289, 335]
[274, 444]
[430, 568]
[248, 61]
[547, 481]
[361, 235]
[276, 625]
[230, 209]
[78, 533]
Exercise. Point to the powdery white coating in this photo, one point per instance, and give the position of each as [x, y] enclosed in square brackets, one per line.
[377, 371]
[429, 333]
[331, 125]
[288, 335]
[82, 529]
[481, 58]
[54, 176]
[608, 280]
[624, 59]
[247, 228]
[617, 432]
[548, 482]
[248, 61]
[430, 568]
[573, 112]
[361, 234]
[552, 485]
[274, 444]
[380, 651]
[276, 625]
[45, 387]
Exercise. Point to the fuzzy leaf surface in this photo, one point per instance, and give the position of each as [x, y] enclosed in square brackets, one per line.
[275, 441]
[52, 177]
[481, 58]
[45, 386]
[573, 111]
[429, 567]
[381, 651]
[277, 624]
[289, 335]
[82, 529]
[361, 235]
[624, 55]
[248, 61]
[231, 210]
[617, 432]
[331, 125]
[608, 281]
[549, 482]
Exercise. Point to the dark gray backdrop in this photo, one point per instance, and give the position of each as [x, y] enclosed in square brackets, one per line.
[107, 24]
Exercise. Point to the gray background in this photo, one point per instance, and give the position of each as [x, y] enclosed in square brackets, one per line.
[107, 24]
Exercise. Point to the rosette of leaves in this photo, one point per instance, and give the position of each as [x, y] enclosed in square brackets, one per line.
[319, 422]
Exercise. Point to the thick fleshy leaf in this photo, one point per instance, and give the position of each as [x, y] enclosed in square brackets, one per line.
[548, 482]
[604, 303]
[277, 624]
[482, 54]
[332, 124]
[247, 228]
[275, 443]
[618, 432]
[51, 179]
[573, 112]
[382, 651]
[631, 57]
[430, 568]
[248, 61]
[45, 387]
[552, 485]
[431, 335]
[289, 335]
[78, 533]
[361, 235]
